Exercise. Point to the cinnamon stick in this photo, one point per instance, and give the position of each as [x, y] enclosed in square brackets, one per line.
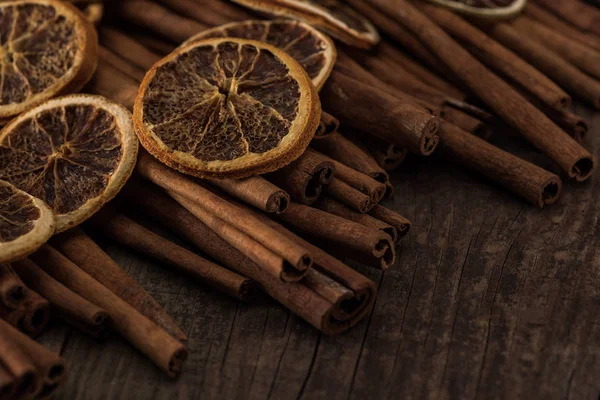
[555, 23]
[33, 316]
[549, 62]
[361, 182]
[178, 184]
[127, 48]
[342, 236]
[389, 156]
[110, 82]
[210, 12]
[304, 178]
[327, 126]
[8, 384]
[538, 129]
[17, 371]
[88, 256]
[351, 197]
[70, 304]
[341, 149]
[500, 59]
[129, 233]
[335, 207]
[389, 118]
[532, 183]
[256, 191]
[468, 123]
[166, 352]
[577, 13]
[12, 289]
[301, 300]
[122, 65]
[392, 218]
[152, 42]
[158, 19]
[582, 56]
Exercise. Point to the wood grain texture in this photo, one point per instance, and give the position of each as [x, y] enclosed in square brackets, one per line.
[490, 298]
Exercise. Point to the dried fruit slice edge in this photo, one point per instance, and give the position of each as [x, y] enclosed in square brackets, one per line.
[120, 174]
[326, 46]
[500, 12]
[26, 223]
[84, 62]
[289, 148]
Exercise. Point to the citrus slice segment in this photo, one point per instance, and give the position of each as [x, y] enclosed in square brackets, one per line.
[332, 16]
[73, 152]
[489, 9]
[47, 48]
[226, 108]
[312, 49]
[26, 223]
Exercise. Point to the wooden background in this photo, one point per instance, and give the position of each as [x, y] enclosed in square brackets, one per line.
[490, 298]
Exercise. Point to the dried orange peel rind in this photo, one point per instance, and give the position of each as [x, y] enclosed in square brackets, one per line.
[75, 153]
[332, 16]
[313, 49]
[26, 223]
[226, 108]
[47, 48]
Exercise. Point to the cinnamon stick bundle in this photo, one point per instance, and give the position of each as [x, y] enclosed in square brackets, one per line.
[327, 126]
[304, 178]
[343, 150]
[583, 57]
[344, 237]
[575, 12]
[532, 183]
[549, 62]
[351, 197]
[122, 65]
[12, 289]
[70, 304]
[166, 352]
[389, 118]
[158, 19]
[87, 255]
[500, 59]
[538, 129]
[127, 48]
[256, 191]
[179, 185]
[557, 24]
[18, 374]
[31, 316]
[297, 297]
[129, 233]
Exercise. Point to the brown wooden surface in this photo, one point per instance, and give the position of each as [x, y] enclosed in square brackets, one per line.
[491, 298]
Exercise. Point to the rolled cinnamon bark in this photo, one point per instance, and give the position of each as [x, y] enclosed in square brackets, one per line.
[351, 197]
[210, 12]
[343, 150]
[87, 255]
[256, 191]
[69, 303]
[500, 59]
[327, 126]
[361, 182]
[157, 18]
[468, 123]
[33, 315]
[166, 352]
[575, 12]
[122, 65]
[583, 57]
[389, 118]
[152, 42]
[110, 82]
[392, 218]
[389, 156]
[12, 290]
[342, 236]
[8, 384]
[335, 207]
[129, 233]
[538, 129]
[555, 23]
[17, 368]
[127, 48]
[178, 184]
[297, 297]
[304, 178]
[532, 183]
[549, 62]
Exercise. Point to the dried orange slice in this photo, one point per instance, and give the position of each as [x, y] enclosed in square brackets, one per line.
[47, 48]
[332, 16]
[26, 223]
[73, 152]
[226, 107]
[488, 9]
[312, 49]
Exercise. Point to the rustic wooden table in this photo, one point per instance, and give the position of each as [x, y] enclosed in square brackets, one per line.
[491, 298]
